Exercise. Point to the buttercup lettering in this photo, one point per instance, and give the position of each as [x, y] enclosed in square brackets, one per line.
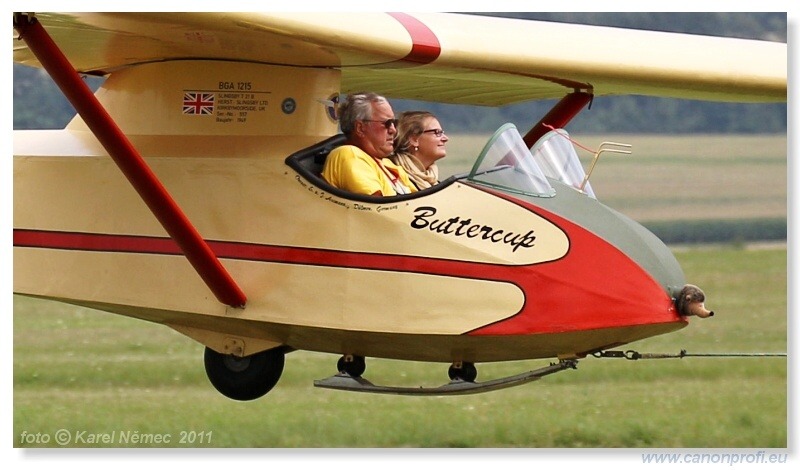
[459, 227]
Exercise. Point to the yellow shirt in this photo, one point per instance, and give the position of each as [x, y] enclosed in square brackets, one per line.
[350, 168]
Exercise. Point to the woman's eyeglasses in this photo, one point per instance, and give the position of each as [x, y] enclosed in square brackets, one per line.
[436, 132]
[387, 123]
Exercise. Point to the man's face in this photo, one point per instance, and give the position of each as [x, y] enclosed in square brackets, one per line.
[377, 139]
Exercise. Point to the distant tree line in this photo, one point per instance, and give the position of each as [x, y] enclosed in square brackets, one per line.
[735, 231]
[38, 104]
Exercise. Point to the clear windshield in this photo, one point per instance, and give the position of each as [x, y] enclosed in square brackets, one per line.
[557, 158]
[506, 163]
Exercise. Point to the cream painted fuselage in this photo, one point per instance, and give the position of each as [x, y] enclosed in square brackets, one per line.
[460, 274]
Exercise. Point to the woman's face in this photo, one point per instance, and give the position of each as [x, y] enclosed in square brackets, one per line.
[432, 147]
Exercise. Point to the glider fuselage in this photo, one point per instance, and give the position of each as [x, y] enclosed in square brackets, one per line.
[462, 272]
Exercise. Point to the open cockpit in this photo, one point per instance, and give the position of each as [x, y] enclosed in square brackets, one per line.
[505, 163]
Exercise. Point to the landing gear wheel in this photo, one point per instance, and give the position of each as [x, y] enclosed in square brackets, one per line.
[244, 378]
[354, 366]
[465, 371]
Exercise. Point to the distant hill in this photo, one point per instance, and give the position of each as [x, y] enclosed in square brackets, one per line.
[35, 92]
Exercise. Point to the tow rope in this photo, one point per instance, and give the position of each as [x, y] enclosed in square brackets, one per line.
[636, 355]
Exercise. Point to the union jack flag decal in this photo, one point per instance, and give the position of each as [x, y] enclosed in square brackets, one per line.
[195, 102]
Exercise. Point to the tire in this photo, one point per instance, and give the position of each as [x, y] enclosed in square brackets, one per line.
[467, 372]
[244, 378]
[354, 368]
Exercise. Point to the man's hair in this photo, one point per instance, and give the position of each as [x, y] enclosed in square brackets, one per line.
[356, 107]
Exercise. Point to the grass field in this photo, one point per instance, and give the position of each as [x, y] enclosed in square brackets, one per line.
[96, 375]
[86, 371]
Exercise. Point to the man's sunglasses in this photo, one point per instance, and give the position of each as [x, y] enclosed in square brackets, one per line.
[387, 123]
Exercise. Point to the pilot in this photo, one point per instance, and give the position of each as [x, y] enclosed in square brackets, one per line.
[419, 144]
[361, 165]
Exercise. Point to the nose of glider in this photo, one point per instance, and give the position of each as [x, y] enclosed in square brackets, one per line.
[691, 301]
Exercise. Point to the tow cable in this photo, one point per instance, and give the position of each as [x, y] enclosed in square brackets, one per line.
[632, 355]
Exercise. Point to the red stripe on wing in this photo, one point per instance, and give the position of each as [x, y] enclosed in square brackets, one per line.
[425, 45]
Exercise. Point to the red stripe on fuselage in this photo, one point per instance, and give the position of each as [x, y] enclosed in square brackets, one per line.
[594, 286]
[425, 46]
[99, 242]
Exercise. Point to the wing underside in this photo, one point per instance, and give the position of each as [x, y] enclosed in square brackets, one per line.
[452, 58]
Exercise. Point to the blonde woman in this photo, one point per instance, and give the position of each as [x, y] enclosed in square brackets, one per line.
[420, 142]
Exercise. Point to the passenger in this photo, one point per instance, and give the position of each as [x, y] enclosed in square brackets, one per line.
[361, 165]
[419, 144]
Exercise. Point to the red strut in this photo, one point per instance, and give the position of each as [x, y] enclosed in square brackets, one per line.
[126, 157]
[559, 116]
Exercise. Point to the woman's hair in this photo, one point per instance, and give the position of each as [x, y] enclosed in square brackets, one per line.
[409, 124]
[356, 107]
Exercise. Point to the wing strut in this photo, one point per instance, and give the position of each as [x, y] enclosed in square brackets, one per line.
[150, 189]
[559, 116]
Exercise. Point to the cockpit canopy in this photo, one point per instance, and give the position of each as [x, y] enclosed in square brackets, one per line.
[556, 155]
[507, 164]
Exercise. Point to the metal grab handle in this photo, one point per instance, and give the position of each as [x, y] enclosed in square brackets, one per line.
[604, 147]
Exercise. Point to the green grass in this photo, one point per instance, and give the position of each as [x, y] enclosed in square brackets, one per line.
[86, 371]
